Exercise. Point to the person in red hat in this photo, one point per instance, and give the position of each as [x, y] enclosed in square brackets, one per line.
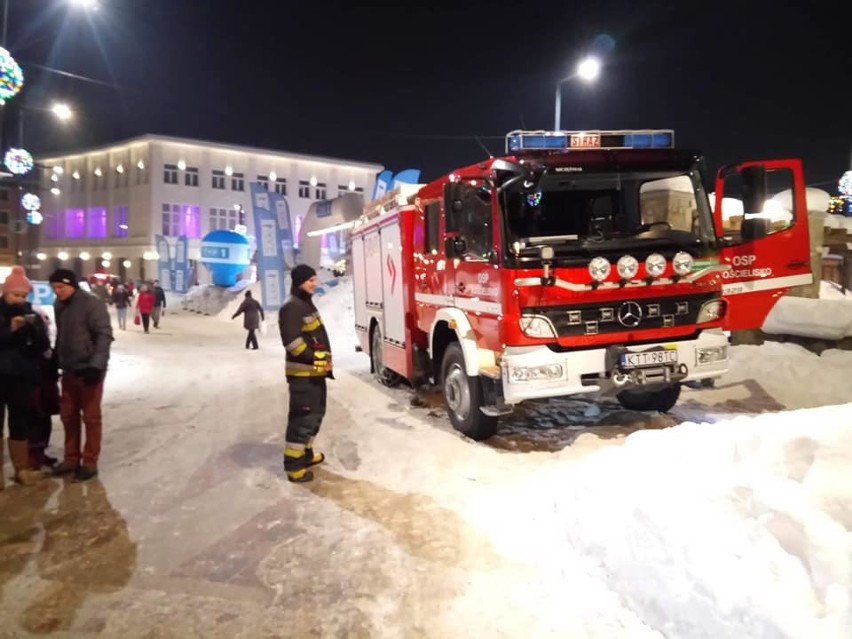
[23, 343]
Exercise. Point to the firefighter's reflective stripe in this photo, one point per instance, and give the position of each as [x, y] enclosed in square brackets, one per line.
[311, 323]
[297, 346]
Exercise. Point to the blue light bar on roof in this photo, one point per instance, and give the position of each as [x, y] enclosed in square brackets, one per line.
[519, 141]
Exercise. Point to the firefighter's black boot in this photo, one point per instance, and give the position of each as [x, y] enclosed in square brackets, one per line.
[296, 465]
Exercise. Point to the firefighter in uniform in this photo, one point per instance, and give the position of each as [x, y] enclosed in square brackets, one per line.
[308, 365]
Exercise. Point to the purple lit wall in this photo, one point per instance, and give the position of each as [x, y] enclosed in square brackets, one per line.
[75, 223]
[120, 223]
[96, 223]
[191, 221]
[54, 225]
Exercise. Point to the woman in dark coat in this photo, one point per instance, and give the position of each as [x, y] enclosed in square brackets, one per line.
[252, 317]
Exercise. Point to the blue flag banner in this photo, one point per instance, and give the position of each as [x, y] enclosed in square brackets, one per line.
[408, 176]
[383, 182]
[285, 229]
[164, 263]
[181, 265]
[270, 255]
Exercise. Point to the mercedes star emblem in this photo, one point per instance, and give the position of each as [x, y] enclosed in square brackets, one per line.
[630, 314]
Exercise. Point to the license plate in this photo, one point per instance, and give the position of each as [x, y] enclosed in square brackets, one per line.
[649, 358]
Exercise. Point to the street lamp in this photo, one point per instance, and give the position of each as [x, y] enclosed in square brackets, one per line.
[587, 71]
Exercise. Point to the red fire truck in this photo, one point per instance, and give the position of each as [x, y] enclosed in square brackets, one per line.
[580, 262]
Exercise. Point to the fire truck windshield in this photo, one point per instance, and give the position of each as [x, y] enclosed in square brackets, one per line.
[608, 209]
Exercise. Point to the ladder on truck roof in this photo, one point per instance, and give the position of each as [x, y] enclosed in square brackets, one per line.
[400, 196]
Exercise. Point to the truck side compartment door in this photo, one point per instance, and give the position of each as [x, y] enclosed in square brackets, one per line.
[761, 219]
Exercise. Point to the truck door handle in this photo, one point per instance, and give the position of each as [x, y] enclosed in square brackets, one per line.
[460, 287]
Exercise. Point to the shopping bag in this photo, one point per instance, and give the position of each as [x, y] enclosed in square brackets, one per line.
[137, 319]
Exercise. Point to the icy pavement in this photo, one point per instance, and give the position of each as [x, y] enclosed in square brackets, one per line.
[565, 524]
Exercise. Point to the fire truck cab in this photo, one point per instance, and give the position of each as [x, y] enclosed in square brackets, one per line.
[579, 262]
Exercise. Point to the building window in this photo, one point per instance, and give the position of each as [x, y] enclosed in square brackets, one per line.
[4, 241]
[182, 219]
[238, 182]
[281, 186]
[223, 219]
[96, 223]
[75, 224]
[120, 221]
[218, 179]
[191, 177]
[264, 181]
[53, 226]
[320, 190]
[4, 195]
[4, 217]
[170, 174]
[304, 188]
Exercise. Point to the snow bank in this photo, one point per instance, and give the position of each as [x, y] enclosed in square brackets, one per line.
[829, 317]
[740, 528]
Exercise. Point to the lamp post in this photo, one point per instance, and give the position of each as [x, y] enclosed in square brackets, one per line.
[587, 71]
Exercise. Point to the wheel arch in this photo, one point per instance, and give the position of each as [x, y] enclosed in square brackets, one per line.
[452, 325]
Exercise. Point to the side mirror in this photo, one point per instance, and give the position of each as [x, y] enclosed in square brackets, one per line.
[754, 228]
[754, 188]
[453, 192]
[455, 246]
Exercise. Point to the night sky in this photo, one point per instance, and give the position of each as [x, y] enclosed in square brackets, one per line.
[414, 84]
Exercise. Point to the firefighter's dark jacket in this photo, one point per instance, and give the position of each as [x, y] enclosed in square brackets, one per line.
[304, 337]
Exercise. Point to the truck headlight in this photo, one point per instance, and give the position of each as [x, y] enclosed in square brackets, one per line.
[682, 263]
[535, 373]
[711, 311]
[627, 267]
[599, 268]
[536, 326]
[655, 265]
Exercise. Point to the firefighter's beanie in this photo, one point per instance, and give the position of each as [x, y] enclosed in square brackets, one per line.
[65, 276]
[301, 274]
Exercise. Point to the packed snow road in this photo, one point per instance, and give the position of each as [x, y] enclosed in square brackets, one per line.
[409, 530]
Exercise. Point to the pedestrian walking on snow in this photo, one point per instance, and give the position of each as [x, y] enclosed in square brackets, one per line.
[308, 365]
[159, 303]
[253, 315]
[144, 306]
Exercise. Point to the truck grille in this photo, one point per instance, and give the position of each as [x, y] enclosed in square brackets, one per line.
[576, 320]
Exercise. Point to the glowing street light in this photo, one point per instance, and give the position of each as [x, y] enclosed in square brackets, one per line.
[62, 111]
[89, 5]
[588, 71]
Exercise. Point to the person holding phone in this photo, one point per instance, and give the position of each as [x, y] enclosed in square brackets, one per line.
[23, 343]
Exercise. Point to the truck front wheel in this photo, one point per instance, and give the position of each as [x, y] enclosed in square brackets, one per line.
[463, 396]
[662, 400]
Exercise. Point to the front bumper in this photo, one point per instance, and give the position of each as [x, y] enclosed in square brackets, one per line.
[536, 372]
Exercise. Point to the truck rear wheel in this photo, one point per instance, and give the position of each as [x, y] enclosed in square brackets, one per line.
[463, 397]
[384, 376]
[662, 400]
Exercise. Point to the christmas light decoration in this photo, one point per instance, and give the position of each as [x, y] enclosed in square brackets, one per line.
[11, 76]
[534, 199]
[31, 201]
[35, 217]
[846, 183]
[18, 161]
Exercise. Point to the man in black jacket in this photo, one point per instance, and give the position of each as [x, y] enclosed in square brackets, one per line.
[308, 365]
[159, 303]
[83, 338]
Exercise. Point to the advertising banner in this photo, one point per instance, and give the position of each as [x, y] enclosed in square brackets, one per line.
[164, 263]
[267, 209]
[181, 265]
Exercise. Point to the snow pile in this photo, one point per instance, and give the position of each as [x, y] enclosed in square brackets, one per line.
[741, 528]
[208, 299]
[829, 317]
